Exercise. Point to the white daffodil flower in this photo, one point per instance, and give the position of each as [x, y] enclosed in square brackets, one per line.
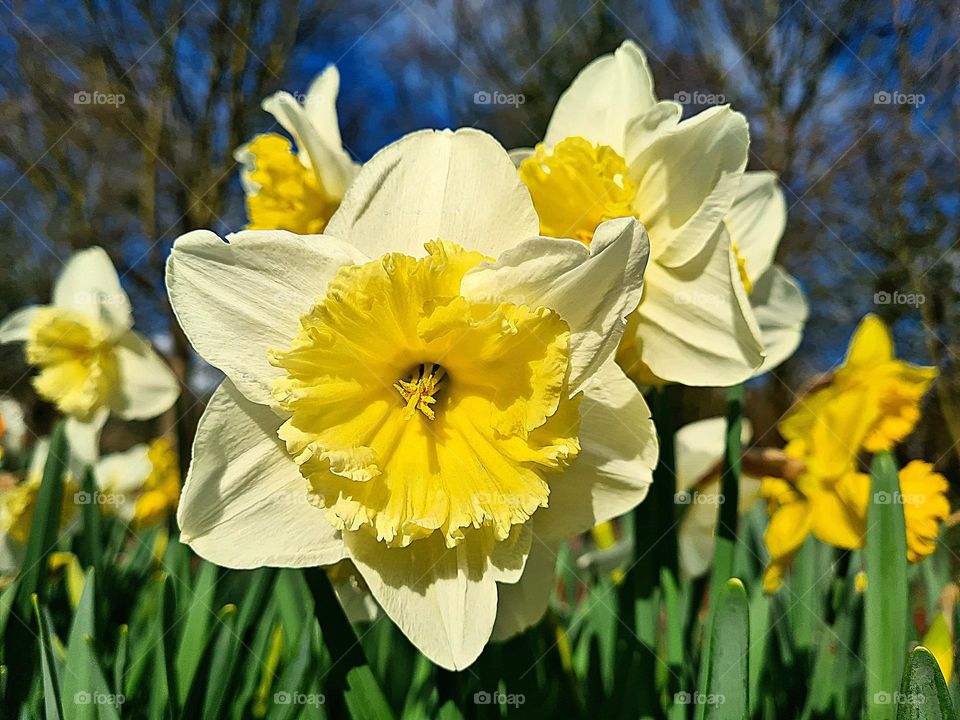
[298, 190]
[700, 448]
[90, 361]
[140, 485]
[613, 150]
[428, 390]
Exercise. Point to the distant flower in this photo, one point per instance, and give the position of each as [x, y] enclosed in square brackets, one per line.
[142, 484]
[89, 359]
[18, 504]
[871, 403]
[298, 189]
[429, 392]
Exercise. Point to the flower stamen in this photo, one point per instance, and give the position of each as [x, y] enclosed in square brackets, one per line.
[421, 389]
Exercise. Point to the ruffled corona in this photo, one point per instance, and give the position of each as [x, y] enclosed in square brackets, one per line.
[414, 410]
[577, 186]
[290, 196]
[78, 368]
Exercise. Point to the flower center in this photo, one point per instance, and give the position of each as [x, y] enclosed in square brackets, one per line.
[495, 394]
[576, 186]
[78, 368]
[290, 195]
[421, 389]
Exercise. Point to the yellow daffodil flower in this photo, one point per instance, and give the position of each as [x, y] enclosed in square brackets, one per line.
[298, 189]
[428, 391]
[18, 504]
[714, 304]
[871, 403]
[90, 361]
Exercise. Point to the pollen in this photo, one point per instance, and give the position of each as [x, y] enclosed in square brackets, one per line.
[420, 391]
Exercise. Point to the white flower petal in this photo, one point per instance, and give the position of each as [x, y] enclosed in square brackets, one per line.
[698, 527]
[604, 97]
[329, 161]
[518, 155]
[592, 289]
[83, 438]
[147, 385]
[699, 449]
[648, 126]
[781, 311]
[244, 503]
[456, 186]
[15, 426]
[321, 106]
[692, 326]
[237, 300]
[16, 326]
[442, 599]
[618, 450]
[757, 220]
[508, 557]
[687, 179]
[89, 284]
[123, 472]
[522, 604]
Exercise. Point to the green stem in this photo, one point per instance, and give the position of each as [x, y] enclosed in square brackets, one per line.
[727, 512]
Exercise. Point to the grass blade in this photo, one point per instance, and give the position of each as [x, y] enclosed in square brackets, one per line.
[923, 693]
[886, 595]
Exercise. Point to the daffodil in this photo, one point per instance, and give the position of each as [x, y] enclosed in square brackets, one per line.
[613, 150]
[298, 189]
[142, 484]
[831, 508]
[871, 402]
[429, 390]
[18, 504]
[699, 450]
[89, 359]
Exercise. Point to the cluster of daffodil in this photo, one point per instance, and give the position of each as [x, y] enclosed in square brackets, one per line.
[871, 403]
[433, 363]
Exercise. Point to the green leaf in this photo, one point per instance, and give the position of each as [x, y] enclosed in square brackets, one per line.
[886, 595]
[164, 700]
[923, 693]
[293, 678]
[196, 627]
[77, 677]
[91, 538]
[728, 511]
[726, 694]
[52, 704]
[213, 663]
